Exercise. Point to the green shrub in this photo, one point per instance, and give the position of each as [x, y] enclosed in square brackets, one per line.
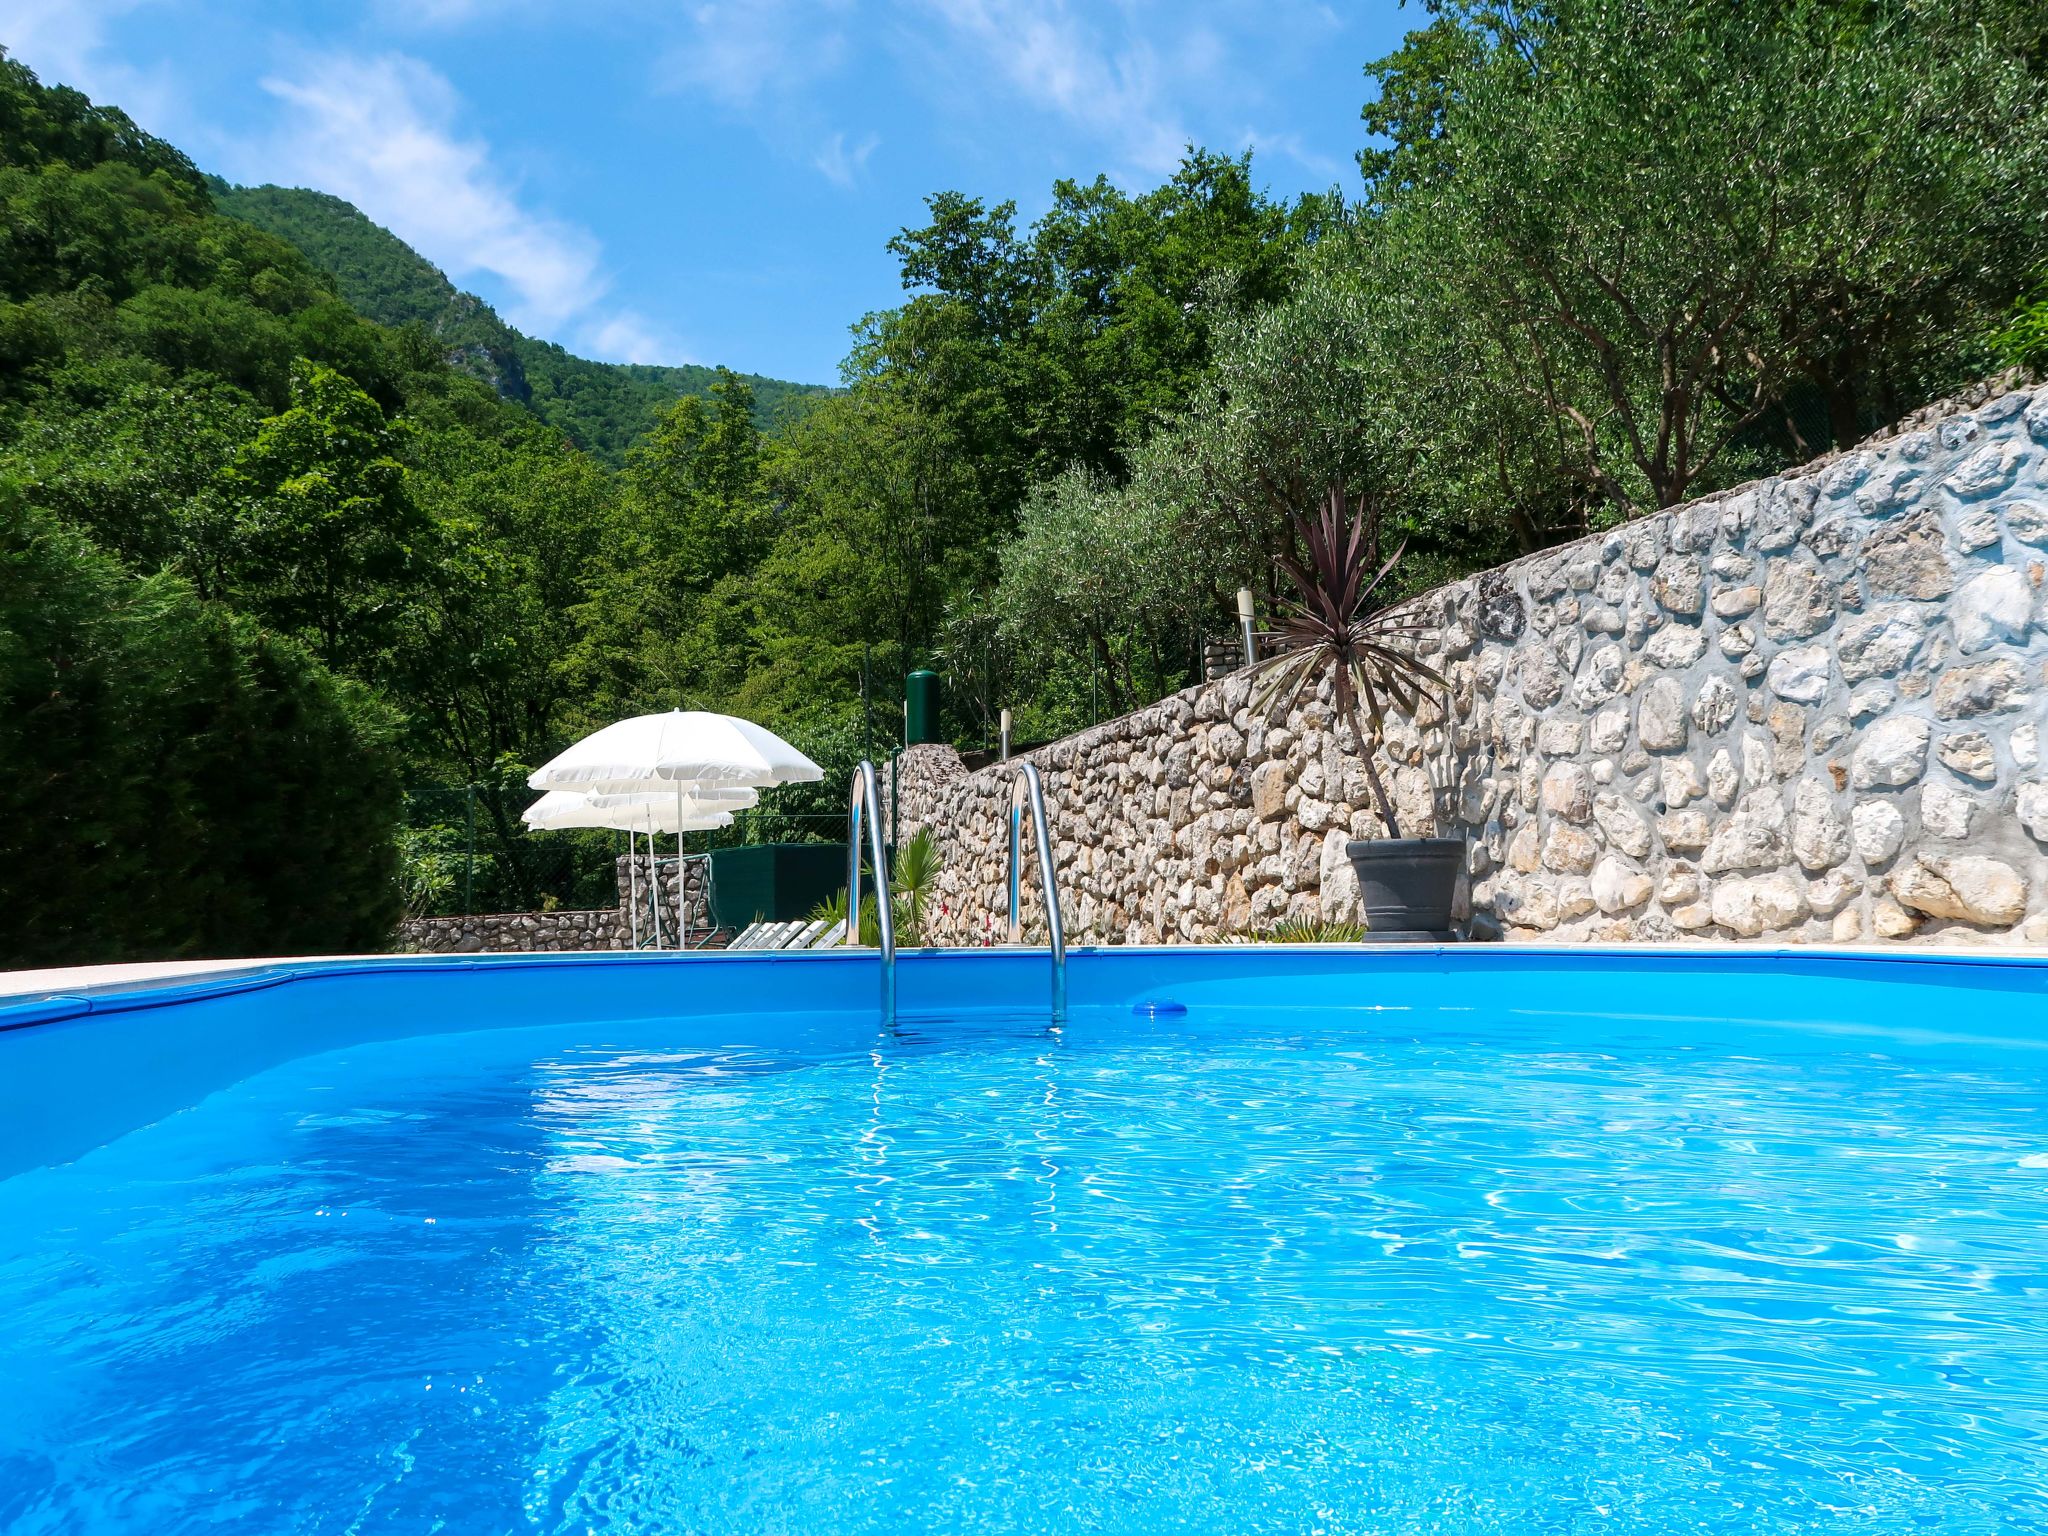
[174, 781]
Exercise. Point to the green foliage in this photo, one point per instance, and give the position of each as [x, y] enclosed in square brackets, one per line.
[1305, 930]
[321, 528]
[913, 876]
[602, 407]
[1611, 253]
[2023, 340]
[174, 781]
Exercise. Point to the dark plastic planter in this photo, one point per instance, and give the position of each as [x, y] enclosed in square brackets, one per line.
[1407, 884]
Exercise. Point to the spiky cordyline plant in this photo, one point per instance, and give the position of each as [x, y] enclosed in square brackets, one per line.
[1330, 625]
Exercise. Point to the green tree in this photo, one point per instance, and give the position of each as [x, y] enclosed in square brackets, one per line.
[1671, 221]
[173, 781]
[324, 535]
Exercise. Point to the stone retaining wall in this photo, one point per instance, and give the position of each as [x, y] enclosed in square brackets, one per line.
[523, 932]
[1808, 709]
[509, 933]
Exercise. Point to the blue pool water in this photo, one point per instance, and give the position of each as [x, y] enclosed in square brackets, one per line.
[1240, 1268]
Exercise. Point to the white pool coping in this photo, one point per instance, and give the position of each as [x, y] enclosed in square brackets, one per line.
[80, 978]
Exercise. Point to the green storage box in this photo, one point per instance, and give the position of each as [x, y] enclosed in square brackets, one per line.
[773, 882]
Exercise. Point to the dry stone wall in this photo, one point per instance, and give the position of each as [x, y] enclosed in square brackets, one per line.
[525, 932]
[1808, 709]
[510, 933]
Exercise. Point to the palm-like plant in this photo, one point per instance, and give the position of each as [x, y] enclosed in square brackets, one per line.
[913, 875]
[1331, 625]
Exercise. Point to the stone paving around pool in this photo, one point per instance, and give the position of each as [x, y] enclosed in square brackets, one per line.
[1807, 710]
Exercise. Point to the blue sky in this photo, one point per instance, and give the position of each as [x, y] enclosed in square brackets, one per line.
[710, 180]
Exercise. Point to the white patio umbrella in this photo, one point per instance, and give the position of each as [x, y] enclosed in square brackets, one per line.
[682, 752]
[697, 798]
[683, 747]
[561, 810]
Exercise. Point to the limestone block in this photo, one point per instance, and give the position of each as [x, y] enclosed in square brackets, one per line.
[1680, 781]
[1679, 886]
[1889, 920]
[1574, 897]
[1542, 679]
[2027, 521]
[1601, 679]
[1568, 791]
[1609, 732]
[1534, 905]
[1661, 716]
[1676, 647]
[1723, 779]
[1831, 892]
[1798, 600]
[1967, 887]
[1880, 644]
[1757, 758]
[1820, 838]
[1338, 881]
[1560, 737]
[1800, 673]
[1269, 791]
[2026, 747]
[1909, 558]
[1717, 704]
[1847, 927]
[1986, 472]
[1946, 812]
[1977, 530]
[1618, 887]
[1995, 607]
[1737, 602]
[1787, 724]
[1692, 917]
[1752, 837]
[2036, 419]
[1988, 688]
[1749, 907]
[1969, 754]
[1679, 584]
[1567, 850]
[1600, 619]
[1892, 753]
[2031, 805]
[1684, 832]
[1622, 825]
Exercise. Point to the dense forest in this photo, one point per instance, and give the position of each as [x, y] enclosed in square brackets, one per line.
[296, 582]
[601, 407]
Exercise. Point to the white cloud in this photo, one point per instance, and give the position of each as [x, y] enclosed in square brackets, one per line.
[1112, 90]
[1297, 149]
[740, 51]
[65, 43]
[627, 337]
[381, 133]
[841, 165]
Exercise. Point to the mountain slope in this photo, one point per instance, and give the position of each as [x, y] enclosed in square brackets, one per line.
[601, 406]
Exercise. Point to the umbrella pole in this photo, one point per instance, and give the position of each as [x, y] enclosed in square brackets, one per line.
[682, 877]
[654, 889]
[633, 886]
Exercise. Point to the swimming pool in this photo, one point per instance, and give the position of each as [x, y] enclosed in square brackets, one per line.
[1307, 1239]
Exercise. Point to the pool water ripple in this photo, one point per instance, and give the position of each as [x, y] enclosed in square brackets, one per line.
[1213, 1276]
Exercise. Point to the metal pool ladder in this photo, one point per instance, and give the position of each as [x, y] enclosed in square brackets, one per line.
[1026, 789]
[867, 799]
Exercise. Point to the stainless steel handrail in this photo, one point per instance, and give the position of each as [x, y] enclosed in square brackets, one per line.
[1026, 788]
[866, 797]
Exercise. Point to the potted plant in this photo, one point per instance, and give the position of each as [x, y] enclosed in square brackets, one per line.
[1333, 627]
